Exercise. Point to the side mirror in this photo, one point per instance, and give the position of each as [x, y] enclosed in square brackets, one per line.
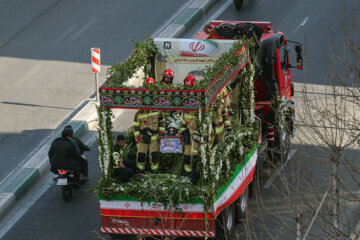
[299, 59]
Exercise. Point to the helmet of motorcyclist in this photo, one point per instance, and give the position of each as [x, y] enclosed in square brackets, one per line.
[189, 80]
[168, 76]
[69, 127]
[149, 81]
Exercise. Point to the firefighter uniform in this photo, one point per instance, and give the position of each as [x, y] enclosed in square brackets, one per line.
[147, 126]
[235, 95]
[191, 147]
[221, 120]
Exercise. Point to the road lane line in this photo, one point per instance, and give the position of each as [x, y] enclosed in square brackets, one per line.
[65, 34]
[31, 73]
[83, 29]
[301, 25]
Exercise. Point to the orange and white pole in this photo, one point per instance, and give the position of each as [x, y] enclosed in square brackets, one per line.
[95, 64]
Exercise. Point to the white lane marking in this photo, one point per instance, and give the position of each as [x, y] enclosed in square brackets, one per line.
[65, 34]
[215, 15]
[83, 29]
[30, 74]
[277, 172]
[301, 25]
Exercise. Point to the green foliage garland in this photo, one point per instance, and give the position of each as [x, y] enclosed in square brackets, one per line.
[169, 190]
[105, 143]
[143, 57]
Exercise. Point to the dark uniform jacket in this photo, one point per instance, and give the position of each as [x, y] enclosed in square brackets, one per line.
[63, 155]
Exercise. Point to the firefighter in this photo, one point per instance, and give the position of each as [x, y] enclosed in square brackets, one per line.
[147, 126]
[149, 81]
[168, 77]
[188, 127]
[221, 121]
[235, 87]
[123, 168]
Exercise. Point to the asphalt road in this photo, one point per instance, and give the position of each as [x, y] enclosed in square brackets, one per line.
[45, 69]
[313, 23]
[50, 217]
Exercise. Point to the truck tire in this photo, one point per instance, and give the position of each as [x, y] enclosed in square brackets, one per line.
[241, 205]
[225, 223]
[66, 193]
[238, 3]
[281, 149]
[122, 237]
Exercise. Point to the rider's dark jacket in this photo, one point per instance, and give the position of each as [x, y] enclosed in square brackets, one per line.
[63, 155]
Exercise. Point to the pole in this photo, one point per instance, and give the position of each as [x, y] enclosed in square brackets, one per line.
[95, 64]
[97, 86]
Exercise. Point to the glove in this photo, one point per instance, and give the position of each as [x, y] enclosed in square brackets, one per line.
[146, 134]
[234, 83]
[186, 137]
[196, 138]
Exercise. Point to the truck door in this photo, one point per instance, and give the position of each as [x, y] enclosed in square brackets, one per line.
[282, 70]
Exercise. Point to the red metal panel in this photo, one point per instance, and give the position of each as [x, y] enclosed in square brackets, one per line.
[162, 224]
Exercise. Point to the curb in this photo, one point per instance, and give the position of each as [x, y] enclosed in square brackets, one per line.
[186, 18]
[21, 181]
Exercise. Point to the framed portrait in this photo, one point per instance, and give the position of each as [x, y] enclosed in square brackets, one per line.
[170, 145]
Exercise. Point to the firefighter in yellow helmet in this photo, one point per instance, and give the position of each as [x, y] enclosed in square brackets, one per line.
[191, 147]
[147, 126]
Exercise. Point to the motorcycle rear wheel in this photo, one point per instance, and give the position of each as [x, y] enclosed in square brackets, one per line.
[66, 192]
[238, 3]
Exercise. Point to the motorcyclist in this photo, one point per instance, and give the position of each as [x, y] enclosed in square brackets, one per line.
[80, 148]
[63, 154]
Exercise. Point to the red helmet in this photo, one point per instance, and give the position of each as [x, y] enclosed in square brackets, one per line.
[150, 80]
[189, 80]
[169, 73]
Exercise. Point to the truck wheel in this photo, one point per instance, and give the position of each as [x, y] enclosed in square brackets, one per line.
[241, 205]
[225, 223]
[66, 192]
[281, 149]
[121, 237]
[238, 3]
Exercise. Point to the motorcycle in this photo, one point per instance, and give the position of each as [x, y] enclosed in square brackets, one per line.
[238, 3]
[67, 180]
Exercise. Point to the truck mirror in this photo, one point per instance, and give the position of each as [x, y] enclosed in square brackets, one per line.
[299, 59]
[286, 48]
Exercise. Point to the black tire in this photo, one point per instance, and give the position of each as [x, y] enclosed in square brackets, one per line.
[66, 192]
[238, 3]
[241, 205]
[122, 237]
[280, 150]
[225, 223]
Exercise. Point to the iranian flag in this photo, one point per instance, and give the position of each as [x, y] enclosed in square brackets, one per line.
[197, 48]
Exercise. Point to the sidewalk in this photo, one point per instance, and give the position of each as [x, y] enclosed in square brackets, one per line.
[23, 178]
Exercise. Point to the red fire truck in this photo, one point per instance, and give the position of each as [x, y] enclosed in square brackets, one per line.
[124, 215]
